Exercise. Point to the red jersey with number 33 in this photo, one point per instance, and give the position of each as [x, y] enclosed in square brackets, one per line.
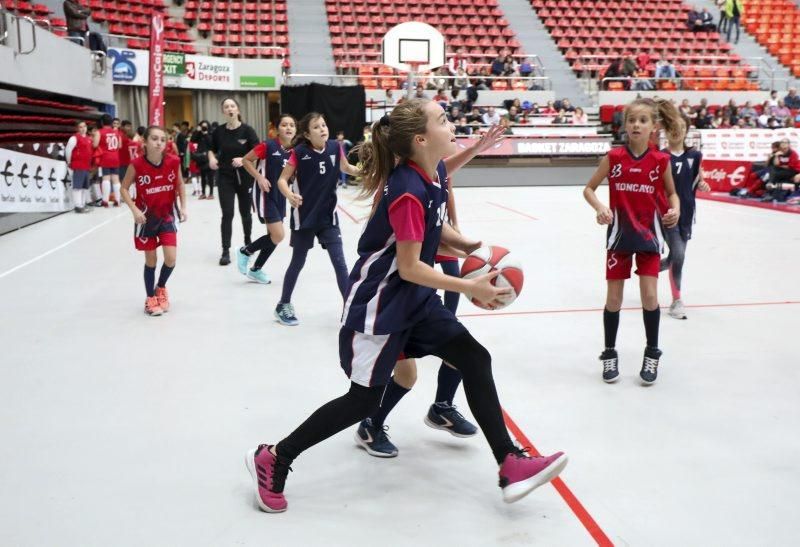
[636, 189]
[157, 186]
[110, 145]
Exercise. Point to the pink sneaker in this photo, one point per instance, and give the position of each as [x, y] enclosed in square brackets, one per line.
[521, 474]
[269, 475]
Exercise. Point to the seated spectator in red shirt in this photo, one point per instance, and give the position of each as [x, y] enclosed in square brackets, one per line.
[549, 110]
[440, 96]
[785, 168]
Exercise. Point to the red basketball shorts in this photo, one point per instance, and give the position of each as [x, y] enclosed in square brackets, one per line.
[619, 263]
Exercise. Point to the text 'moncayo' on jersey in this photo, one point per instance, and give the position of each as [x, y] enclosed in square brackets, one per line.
[378, 300]
[636, 186]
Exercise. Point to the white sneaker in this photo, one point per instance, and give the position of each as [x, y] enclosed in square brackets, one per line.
[677, 310]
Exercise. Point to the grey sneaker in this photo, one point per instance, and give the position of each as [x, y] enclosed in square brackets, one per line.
[284, 313]
[677, 310]
[610, 362]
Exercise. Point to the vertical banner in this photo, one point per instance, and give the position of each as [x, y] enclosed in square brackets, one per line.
[157, 70]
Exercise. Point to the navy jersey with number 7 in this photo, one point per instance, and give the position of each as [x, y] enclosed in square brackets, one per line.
[686, 174]
[316, 175]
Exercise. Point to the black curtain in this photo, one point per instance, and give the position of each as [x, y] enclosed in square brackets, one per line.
[344, 108]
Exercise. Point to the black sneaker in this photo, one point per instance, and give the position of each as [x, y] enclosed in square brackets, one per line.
[225, 259]
[610, 366]
[649, 371]
[447, 418]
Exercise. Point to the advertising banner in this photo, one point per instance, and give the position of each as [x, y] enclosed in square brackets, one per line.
[724, 176]
[156, 101]
[753, 145]
[31, 183]
[544, 146]
[129, 66]
[174, 64]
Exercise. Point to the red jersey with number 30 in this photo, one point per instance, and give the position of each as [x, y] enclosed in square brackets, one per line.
[157, 186]
[110, 145]
[636, 184]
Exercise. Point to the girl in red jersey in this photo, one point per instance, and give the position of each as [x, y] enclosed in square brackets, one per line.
[79, 157]
[160, 198]
[638, 177]
[109, 141]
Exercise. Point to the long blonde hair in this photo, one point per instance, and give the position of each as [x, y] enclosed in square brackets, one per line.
[392, 137]
[664, 113]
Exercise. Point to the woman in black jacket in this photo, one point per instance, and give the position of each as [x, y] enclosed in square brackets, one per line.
[230, 142]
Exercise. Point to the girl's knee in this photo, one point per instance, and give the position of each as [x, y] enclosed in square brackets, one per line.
[405, 373]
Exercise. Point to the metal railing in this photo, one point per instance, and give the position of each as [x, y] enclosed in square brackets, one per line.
[19, 35]
[353, 79]
[681, 81]
[121, 41]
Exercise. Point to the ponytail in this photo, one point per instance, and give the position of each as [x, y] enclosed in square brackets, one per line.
[668, 116]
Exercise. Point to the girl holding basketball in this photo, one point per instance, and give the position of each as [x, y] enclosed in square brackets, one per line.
[160, 198]
[638, 177]
[315, 163]
[268, 202]
[688, 177]
[396, 254]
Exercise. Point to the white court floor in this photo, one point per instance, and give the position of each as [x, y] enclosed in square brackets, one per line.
[122, 430]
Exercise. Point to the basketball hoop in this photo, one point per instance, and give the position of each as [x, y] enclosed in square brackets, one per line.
[413, 47]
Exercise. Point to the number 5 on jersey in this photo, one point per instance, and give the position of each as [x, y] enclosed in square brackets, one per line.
[322, 168]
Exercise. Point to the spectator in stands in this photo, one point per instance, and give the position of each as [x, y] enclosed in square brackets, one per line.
[665, 69]
[748, 111]
[566, 106]
[481, 80]
[455, 114]
[491, 117]
[701, 21]
[773, 98]
[754, 185]
[498, 66]
[733, 11]
[719, 121]
[525, 68]
[440, 96]
[615, 70]
[458, 61]
[462, 127]
[688, 113]
[562, 118]
[475, 116]
[723, 18]
[703, 120]
[579, 117]
[389, 99]
[460, 81]
[549, 109]
[785, 168]
[420, 92]
[506, 125]
[780, 112]
[509, 65]
[747, 121]
[763, 119]
[642, 59]
[77, 18]
[641, 81]
[792, 100]
[513, 115]
[439, 79]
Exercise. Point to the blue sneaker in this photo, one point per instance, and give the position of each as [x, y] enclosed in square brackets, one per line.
[258, 276]
[447, 418]
[242, 260]
[375, 440]
[284, 313]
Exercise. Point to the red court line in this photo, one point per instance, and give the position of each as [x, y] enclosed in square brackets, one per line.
[526, 215]
[780, 207]
[584, 310]
[346, 212]
[563, 490]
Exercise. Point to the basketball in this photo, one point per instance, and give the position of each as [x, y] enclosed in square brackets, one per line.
[488, 259]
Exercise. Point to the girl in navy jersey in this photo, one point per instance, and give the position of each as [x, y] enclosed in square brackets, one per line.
[688, 177]
[268, 202]
[315, 162]
[391, 307]
[160, 198]
[638, 177]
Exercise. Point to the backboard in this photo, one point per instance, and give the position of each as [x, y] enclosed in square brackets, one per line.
[413, 46]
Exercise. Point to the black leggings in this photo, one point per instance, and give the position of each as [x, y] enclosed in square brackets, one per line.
[231, 186]
[207, 181]
[463, 352]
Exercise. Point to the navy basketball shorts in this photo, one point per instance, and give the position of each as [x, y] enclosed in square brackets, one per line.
[369, 359]
[108, 171]
[80, 179]
[304, 239]
[272, 214]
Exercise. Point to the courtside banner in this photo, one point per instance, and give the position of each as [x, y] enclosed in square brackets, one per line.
[725, 175]
[32, 183]
[743, 145]
[157, 70]
[543, 146]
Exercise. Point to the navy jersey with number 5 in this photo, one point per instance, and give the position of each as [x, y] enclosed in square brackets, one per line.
[378, 300]
[274, 158]
[686, 174]
[317, 173]
[636, 187]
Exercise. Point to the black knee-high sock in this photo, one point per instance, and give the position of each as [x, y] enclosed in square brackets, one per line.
[449, 380]
[150, 280]
[266, 251]
[331, 418]
[394, 392]
[163, 276]
[257, 245]
[652, 318]
[475, 364]
[610, 327]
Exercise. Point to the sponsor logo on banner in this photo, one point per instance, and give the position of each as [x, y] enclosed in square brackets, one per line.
[723, 176]
[544, 146]
[123, 65]
[157, 70]
[737, 145]
[31, 183]
[210, 72]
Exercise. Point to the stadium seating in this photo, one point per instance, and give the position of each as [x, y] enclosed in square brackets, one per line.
[775, 24]
[256, 29]
[592, 34]
[476, 27]
[42, 120]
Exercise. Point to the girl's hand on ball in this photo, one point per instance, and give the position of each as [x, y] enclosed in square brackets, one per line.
[487, 294]
[604, 216]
